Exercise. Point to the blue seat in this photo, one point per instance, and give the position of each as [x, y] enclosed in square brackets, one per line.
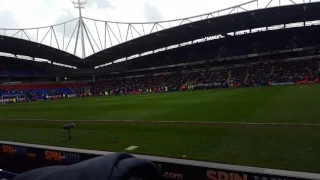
[21, 73]
[2, 73]
[42, 73]
[57, 90]
[42, 91]
[63, 90]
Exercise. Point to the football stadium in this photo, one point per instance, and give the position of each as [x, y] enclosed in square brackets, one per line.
[238, 86]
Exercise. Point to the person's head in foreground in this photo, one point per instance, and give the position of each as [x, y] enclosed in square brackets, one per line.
[120, 166]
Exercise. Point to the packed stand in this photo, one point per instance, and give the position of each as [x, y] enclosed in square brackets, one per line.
[137, 84]
[237, 75]
[295, 71]
[233, 46]
[259, 73]
[244, 75]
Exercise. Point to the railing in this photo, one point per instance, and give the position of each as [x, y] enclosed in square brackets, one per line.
[22, 157]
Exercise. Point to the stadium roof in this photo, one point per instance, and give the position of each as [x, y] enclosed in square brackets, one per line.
[108, 46]
[35, 50]
[210, 27]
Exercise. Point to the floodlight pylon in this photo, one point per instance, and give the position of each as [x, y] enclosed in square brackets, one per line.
[80, 4]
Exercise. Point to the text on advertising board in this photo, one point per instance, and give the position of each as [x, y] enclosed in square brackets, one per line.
[220, 175]
[266, 178]
[168, 175]
[62, 156]
[22, 151]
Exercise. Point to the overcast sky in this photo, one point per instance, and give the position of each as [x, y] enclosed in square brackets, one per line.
[38, 13]
[34, 13]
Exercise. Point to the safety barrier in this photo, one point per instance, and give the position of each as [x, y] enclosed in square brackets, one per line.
[21, 157]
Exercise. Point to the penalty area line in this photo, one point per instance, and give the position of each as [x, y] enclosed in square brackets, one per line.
[168, 122]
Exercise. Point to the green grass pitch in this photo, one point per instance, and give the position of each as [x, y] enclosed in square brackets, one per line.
[292, 147]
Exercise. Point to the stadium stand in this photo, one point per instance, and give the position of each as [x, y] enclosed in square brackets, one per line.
[43, 91]
[229, 60]
[252, 43]
[2, 73]
[282, 56]
[251, 58]
[232, 61]
[253, 74]
[20, 73]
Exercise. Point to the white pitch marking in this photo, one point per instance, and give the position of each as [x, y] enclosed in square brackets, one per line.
[168, 122]
[131, 148]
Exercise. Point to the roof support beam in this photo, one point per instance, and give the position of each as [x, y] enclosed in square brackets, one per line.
[26, 34]
[113, 34]
[109, 34]
[16, 33]
[127, 32]
[54, 33]
[293, 2]
[231, 11]
[268, 3]
[51, 36]
[152, 28]
[87, 30]
[119, 32]
[45, 35]
[161, 26]
[37, 35]
[64, 33]
[77, 37]
[72, 35]
[144, 31]
[98, 34]
[105, 35]
[243, 8]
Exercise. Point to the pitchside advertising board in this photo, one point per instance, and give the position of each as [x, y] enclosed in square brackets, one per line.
[19, 159]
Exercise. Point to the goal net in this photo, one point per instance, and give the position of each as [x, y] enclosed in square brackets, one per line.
[10, 98]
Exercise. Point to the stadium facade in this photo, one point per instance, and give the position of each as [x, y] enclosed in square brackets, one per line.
[250, 44]
[245, 33]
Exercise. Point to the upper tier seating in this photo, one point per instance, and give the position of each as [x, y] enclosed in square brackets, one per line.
[25, 73]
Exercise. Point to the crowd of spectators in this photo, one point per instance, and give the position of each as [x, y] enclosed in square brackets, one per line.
[248, 74]
[239, 75]
[296, 71]
[254, 43]
[248, 71]
[254, 74]
[33, 95]
[137, 83]
[260, 73]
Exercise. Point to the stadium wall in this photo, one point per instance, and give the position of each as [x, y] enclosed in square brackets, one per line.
[39, 86]
[293, 83]
[21, 157]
